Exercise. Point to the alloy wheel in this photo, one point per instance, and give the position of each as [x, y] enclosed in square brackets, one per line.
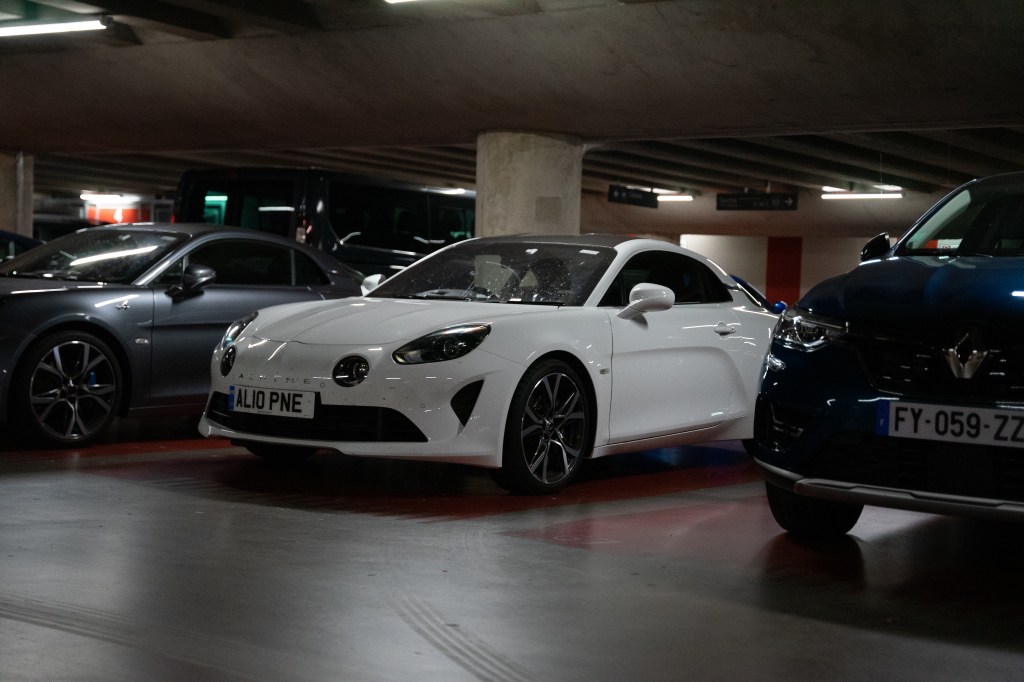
[554, 428]
[73, 390]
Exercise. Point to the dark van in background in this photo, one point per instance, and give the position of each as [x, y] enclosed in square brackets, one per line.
[373, 226]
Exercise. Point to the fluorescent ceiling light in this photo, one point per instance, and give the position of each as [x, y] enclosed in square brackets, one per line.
[862, 195]
[110, 199]
[675, 197]
[888, 188]
[61, 27]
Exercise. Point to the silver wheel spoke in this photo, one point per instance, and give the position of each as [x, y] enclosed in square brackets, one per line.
[540, 456]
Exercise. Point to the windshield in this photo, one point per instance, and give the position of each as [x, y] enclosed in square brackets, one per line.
[982, 219]
[536, 273]
[94, 255]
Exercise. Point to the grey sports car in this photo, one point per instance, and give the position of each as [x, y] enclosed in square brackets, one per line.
[122, 319]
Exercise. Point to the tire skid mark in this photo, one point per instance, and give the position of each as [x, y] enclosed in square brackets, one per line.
[200, 650]
[469, 652]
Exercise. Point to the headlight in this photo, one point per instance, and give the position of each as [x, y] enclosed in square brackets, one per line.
[235, 329]
[803, 330]
[445, 344]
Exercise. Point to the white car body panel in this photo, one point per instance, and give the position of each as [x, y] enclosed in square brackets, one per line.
[665, 378]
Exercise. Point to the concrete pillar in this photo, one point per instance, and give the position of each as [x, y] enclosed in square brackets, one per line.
[16, 193]
[527, 182]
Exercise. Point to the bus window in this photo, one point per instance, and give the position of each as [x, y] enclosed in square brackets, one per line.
[379, 216]
[376, 226]
[266, 205]
[451, 223]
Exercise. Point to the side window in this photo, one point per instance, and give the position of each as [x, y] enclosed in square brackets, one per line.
[306, 272]
[690, 279]
[266, 205]
[240, 262]
[450, 222]
[378, 216]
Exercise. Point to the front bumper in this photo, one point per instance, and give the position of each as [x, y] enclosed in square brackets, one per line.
[450, 411]
[817, 433]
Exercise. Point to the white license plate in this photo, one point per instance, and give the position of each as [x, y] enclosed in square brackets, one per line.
[274, 401]
[947, 423]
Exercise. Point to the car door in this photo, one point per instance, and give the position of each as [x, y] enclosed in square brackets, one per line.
[672, 370]
[251, 274]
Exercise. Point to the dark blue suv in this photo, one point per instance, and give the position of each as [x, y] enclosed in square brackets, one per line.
[901, 383]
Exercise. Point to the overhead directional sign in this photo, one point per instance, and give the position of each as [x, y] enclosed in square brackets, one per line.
[627, 195]
[757, 201]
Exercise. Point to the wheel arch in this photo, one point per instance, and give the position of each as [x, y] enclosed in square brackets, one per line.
[591, 391]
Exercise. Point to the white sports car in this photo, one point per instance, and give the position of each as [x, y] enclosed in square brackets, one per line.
[524, 354]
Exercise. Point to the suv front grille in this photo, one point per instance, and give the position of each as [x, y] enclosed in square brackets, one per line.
[331, 422]
[913, 368]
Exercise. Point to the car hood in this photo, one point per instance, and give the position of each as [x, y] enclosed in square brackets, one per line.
[924, 292]
[376, 320]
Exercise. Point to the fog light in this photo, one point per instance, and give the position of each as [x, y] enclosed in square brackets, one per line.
[351, 371]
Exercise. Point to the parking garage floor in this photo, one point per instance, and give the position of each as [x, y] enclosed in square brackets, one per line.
[160, 556]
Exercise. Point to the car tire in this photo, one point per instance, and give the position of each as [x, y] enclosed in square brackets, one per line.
[279, 454]
[68, 389]
[810, 517]
[549, 430]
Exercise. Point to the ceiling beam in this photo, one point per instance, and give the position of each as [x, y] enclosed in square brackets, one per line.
[957, 168]
[798, 169]
[857, 165]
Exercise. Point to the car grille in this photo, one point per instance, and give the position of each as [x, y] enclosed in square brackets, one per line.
[330, 422]
[914, 368]
[926, 466]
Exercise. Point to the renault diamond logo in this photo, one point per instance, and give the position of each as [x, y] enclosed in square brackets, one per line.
[964, 358]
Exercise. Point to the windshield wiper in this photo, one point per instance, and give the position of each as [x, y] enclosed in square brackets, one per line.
[456, 295]
[545, 302]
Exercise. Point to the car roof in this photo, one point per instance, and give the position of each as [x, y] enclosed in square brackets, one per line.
[196, 229]
[592, 239]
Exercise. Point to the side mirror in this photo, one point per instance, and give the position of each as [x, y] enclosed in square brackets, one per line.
[876, 248]
[779, 307]
[194, 278]
[371, 282]
[647, 298]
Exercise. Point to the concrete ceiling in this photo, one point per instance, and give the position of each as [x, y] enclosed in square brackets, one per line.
[704, 96]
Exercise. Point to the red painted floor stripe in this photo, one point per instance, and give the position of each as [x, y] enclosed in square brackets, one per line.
[189, 464]
[430, 491]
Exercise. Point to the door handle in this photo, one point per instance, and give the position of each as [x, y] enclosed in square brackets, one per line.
[724, 330]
